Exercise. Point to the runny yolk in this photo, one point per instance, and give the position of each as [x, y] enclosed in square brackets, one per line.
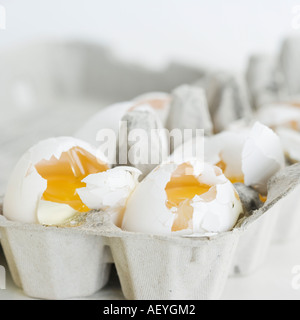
[223, 166]
[180, 190]
[293, 124]
[262, 198]
[64, 176]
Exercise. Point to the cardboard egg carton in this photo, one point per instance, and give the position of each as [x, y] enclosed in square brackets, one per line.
[67, 262]
[60, 263]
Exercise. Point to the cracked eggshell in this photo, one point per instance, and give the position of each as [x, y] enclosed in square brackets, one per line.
[226, 146]
[160, 102]
[290, 140]
[109, 190]
[262, 157]
[26, 187]
[110, 116]
[250, 154]
[214, 211]
[279, 115]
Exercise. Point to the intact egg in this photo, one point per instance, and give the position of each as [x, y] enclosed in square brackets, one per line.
[190, 198]
[43, 187]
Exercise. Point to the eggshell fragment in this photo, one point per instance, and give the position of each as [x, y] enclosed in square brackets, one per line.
[247, 154]
[279, 115]
[110, 188]
[290, 140]
[160, 102]
[262, 157]
[225, 147]
[110, 116]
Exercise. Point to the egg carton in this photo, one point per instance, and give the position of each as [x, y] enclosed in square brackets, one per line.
[274, 80]
[68, 262]
[255, 243]
[287, 227]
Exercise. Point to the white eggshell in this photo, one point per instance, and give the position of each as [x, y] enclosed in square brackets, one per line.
[26, 187]
[276, 115]
[110, 116]
[219, 215]
[146, 209]
[254, 152]
[262, 157]
[107, 118]
[226, 146]
[290, 140]
[110, 188]
[150, 98]
[147, 212]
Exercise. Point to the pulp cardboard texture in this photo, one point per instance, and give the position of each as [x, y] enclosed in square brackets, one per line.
[56, 262]
[275, 79]
[287, 227]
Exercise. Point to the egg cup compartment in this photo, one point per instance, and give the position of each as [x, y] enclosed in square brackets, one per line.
[54, 263]
[254, 244]
[287, 227]
[62, 262]
[173, 268]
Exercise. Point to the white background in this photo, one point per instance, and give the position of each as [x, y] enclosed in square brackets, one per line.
[213, 33]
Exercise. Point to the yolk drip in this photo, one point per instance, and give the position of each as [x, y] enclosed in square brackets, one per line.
[64, 176]
[180, 190]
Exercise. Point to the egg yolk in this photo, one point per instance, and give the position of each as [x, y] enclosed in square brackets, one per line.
[223, 166]
[181, 189]
[156, 104]
[64, 176]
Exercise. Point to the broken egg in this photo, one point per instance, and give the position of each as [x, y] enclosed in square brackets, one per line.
[110, 117]
[290, 140]
[262, 157]
[280, 115]
[110, 190]
[190, 198]
[249, 155]
[43, 186]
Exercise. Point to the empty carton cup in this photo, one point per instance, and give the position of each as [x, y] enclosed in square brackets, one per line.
[54, 263]
[254, 244]
[259, 229]
[173, 268]
[288, 225]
